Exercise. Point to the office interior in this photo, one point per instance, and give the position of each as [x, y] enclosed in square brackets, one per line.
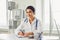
[13, 11]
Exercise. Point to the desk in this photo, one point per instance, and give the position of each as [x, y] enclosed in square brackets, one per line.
[14, 37]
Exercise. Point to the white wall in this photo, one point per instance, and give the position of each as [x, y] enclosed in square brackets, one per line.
[38, 9]
[55, 10]
[3, 13]
[46, 16]
[22, 4]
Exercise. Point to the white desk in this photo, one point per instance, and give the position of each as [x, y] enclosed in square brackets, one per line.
[13, 37]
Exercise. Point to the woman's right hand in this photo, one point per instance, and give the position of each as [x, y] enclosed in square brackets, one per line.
[21, 34]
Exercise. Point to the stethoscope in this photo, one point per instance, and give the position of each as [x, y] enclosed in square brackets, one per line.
[36, 24]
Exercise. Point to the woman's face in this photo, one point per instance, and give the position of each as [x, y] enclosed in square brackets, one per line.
[29, 13]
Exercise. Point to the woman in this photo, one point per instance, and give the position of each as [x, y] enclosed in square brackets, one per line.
[30, 25]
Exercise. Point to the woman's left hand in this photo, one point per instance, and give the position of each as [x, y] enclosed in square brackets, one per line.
[27, 34]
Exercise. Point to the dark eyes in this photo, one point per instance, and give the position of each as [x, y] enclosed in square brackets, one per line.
[28, 12]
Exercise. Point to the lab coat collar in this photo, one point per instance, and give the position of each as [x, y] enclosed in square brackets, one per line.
[32, 21]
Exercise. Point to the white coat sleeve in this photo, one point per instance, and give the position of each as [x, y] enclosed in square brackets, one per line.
[19, 29]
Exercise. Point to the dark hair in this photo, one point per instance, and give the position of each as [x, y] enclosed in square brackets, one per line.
[31, 7]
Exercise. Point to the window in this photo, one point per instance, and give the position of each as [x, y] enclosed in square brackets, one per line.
[3, 13]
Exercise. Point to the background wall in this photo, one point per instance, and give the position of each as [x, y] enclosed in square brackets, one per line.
[3, 14]
[22, 4]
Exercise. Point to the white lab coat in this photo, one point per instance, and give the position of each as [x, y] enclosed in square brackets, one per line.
[27, 27]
